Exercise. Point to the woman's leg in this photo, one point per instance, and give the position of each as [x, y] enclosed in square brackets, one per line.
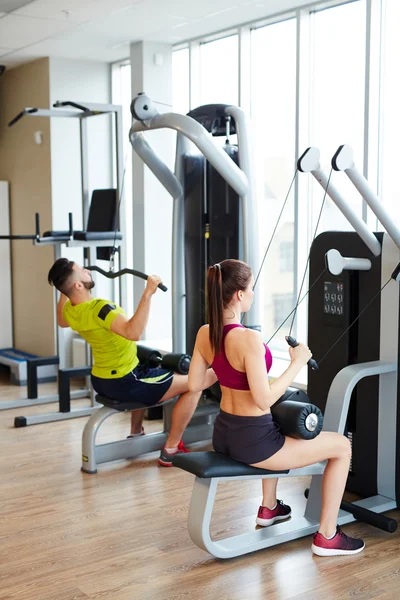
[326, 446]
[271, 510]
[184, 407]
[269, 492]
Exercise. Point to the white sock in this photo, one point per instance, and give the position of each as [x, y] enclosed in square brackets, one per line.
[131, 435]
[172, 450]
[274, 507]
[331, 536]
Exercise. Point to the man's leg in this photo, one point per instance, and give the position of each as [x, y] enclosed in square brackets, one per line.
[137, 417]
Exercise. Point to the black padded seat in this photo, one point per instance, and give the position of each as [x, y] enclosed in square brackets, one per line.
[57, 234]
[101, 226]
[207, 465]
[84, 236]
[118, 405]
[102, 222]
[89, 236]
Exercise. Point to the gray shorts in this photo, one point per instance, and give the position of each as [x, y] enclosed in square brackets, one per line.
[249, 440]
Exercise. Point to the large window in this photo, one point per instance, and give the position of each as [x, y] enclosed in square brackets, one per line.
[283, 304]
[219, 73]
[337, 101]
[273, 111]
[390, 110]
[286, 257]
[317, 56]
[180, 81]
[121, 94]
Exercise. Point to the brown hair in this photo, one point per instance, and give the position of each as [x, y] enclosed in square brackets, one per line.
[223, 280]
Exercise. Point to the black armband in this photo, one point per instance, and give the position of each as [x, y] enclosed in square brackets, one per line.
[107, 308]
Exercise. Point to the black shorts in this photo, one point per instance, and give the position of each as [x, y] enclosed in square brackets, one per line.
[143, 384]
[249, 440]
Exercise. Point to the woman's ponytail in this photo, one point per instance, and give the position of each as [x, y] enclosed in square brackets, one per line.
[223, 280]
[215, 306]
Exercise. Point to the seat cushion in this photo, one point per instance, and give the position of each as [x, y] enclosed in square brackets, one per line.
[89, 236]
[118, 405]
[213, 464]
[52, 233]
[130, 405]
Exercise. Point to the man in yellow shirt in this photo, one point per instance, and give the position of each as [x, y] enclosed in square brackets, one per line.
[116, 372]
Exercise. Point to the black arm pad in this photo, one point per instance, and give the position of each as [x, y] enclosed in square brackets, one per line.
[301, 420]
[149, 356]
[179, 363]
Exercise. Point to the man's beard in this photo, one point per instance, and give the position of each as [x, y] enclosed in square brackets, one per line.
[89, 285]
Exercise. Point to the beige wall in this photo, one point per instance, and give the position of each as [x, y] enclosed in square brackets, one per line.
[27, 168]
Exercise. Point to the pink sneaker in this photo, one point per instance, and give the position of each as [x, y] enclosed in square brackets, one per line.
[339, 545]
[267, 517]
[165, 459]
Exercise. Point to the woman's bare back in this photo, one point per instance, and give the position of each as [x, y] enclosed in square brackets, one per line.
[236, 402]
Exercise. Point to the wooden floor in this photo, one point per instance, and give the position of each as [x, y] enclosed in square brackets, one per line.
[121, 534]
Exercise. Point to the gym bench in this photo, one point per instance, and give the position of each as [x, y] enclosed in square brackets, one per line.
[299, 416]
[199, 429]
[210, 468]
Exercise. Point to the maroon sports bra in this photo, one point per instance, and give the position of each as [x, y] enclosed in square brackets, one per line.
[227, 375]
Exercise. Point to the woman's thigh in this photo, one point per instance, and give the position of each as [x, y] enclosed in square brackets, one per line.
[301, 453]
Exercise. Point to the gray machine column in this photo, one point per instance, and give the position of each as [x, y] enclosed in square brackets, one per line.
[241, 180]
[335, 417]
[151, 64]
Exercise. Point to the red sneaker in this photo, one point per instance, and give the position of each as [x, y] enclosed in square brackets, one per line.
[341, 544]
[165, 459]
[267, 517]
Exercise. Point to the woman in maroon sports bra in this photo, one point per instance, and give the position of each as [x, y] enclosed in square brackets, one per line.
[244, 428]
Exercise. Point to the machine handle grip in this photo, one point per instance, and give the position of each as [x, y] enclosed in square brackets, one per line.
[293, 343]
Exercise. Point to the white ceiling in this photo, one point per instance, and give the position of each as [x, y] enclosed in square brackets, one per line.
[102, 29]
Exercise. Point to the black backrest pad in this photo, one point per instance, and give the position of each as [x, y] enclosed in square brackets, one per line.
[103, 210]
[213, 464]
[213, 118]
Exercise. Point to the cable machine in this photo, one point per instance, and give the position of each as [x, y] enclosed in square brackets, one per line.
[214, 207]
[101, 236]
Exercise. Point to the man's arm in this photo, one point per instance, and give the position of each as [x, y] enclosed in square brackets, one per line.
[133, 328]
[60, 307]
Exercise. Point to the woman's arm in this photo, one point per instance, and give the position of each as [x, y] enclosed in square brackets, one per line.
[264, 393]
[198, 364]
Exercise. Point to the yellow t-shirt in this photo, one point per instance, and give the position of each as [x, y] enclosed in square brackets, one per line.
[113, 355]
